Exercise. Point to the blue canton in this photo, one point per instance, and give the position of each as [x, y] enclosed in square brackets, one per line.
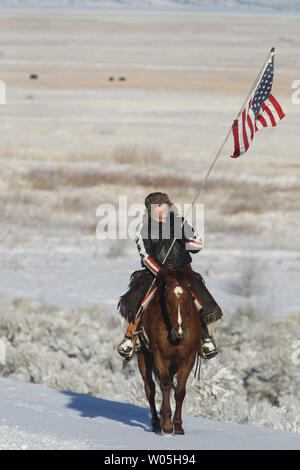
[263, 91]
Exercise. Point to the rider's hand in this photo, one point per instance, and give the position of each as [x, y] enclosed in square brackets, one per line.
[160, 275]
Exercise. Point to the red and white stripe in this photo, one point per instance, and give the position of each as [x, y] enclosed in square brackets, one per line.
[197, 301]
[147, 261]
[245, 127]
[145, 302]
[194, 244]
[150, 263]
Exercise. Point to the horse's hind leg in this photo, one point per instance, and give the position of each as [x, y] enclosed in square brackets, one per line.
[182, 376]
[146, 367]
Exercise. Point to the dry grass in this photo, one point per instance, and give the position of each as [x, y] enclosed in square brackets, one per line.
[124, 154]
[258, 197]
[51, 179]
[136, 155]
[240, 227]
[79, 189]
[67, 194]
[85, 176]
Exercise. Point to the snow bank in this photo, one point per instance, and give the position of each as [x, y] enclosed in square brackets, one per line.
[36, 417]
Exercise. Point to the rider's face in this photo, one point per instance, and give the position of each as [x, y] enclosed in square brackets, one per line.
[160, 213]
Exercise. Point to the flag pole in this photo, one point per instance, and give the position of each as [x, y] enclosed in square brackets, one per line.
[270, 55]
[257, 80]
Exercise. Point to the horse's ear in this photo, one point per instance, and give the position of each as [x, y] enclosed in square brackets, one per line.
[182, 274]
[187, 273]
[168, 271]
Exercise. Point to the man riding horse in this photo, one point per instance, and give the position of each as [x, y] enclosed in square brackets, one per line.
[154, 236]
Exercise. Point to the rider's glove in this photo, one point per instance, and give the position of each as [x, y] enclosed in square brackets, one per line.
[160, 275]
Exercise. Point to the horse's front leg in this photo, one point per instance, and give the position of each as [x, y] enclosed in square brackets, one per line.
[166, 412]
[162, 367]
[146, 366]
[182, 377]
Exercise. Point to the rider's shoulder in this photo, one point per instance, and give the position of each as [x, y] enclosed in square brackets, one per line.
[141, 227]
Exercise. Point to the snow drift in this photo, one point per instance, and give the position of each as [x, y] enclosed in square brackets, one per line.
[36, 417]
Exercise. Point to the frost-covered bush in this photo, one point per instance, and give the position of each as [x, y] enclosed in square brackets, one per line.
[69, 350]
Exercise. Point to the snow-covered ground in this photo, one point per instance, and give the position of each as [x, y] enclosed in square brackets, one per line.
[78, 136]
[74, 272]
[36, 417]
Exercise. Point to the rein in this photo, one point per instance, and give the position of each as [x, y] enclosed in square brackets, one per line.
[167, 316]
[147, 342]
[170, 328]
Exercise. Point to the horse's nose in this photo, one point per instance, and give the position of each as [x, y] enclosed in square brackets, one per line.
[176, 334]
[180, 333]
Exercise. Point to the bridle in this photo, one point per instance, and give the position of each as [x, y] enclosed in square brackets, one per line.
[173, 332]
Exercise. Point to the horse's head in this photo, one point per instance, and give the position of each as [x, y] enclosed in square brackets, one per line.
[178, 300]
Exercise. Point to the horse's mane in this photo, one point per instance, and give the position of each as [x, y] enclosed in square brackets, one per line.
[141, 280]
[181, 274]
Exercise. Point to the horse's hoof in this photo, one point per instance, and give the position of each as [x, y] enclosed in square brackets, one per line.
[156, 427]
[179, 432]
[168, 432]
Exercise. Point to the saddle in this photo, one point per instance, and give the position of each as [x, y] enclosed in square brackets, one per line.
[140, 282]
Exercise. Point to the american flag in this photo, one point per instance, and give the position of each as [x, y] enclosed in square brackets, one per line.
[262, 110]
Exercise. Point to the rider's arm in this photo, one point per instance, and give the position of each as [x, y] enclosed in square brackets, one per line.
[144, 247]
[193, 242]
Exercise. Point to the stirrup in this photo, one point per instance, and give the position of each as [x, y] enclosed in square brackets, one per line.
[125, 350]
[205, 353]
[128, 351]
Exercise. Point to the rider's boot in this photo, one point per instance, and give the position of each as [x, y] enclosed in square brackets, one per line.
[208, 348]
[125, 348]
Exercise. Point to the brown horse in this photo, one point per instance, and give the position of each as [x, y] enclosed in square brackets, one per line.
[171, 324]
